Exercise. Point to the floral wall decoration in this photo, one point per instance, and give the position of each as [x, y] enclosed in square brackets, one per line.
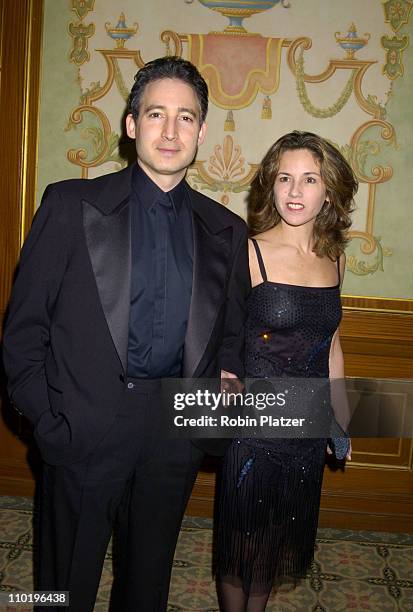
[80, 32]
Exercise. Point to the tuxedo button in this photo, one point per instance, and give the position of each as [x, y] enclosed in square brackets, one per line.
[130, 385]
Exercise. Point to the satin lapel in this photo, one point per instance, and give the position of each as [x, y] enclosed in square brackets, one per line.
[211, 264]
[109, 243]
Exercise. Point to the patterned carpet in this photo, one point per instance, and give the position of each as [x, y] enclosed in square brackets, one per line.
[352, 571]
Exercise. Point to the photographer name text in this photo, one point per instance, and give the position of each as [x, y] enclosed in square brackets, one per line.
[238, 421]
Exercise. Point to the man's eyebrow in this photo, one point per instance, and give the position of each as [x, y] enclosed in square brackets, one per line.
[190, 111]
[181, 109]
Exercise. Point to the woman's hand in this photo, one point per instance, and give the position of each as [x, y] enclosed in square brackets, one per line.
[348, 456]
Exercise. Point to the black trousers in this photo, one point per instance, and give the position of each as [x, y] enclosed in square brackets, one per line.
[135, 479]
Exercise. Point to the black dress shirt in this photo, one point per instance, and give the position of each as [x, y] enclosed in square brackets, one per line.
[161, 282]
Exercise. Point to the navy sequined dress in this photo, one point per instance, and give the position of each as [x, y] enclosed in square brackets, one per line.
[270, 491]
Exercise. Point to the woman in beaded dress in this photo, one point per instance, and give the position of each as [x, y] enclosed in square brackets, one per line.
[300, 207]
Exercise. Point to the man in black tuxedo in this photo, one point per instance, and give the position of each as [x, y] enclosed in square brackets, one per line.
[124, 280]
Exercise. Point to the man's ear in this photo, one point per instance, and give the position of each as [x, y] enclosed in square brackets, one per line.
[202, 132]
[130, 126]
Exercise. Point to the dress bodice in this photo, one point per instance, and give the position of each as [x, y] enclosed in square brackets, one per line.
[290, 327]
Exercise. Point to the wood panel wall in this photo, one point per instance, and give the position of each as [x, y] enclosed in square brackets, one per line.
[374, 491]
[20, 53]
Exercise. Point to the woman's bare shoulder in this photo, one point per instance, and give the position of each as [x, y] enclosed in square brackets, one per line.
[269, 237]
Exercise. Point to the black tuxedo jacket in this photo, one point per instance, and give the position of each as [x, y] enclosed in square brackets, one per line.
[66, 337]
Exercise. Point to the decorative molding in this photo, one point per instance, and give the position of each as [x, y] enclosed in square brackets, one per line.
[394, 47]
[82, 7]
[397, 12]
[321, 113]
[121, 32]
[362, 268]
[358, 149]
[79, 156]
[359, 66]
[103, 138]
[351, 42]
[238, 10]
[223, 171]
[377, 304]
[261, 76]
[80, 34]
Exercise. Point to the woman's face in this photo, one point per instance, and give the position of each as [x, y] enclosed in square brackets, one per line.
[299, 189]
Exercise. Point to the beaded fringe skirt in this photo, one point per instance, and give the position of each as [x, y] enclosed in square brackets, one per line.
[268, 513]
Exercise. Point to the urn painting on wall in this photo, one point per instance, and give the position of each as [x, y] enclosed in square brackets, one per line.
[237, 11]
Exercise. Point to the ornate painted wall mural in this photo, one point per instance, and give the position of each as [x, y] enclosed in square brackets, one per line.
[271, 67]
[80, 32]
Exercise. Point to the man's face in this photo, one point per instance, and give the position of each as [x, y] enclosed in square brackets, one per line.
[167, 130]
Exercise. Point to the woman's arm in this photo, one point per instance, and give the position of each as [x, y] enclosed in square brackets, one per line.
[336, 367]
[336, 358]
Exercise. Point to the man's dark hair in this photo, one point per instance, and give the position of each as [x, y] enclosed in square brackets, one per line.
[169, 68]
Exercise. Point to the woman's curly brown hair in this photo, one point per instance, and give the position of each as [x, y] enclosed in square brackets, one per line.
[333, 221]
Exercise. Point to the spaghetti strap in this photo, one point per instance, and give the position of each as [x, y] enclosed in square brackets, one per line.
[260, 260]
[338, 271]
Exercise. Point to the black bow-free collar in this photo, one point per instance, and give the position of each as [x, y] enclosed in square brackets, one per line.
[148, 192]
